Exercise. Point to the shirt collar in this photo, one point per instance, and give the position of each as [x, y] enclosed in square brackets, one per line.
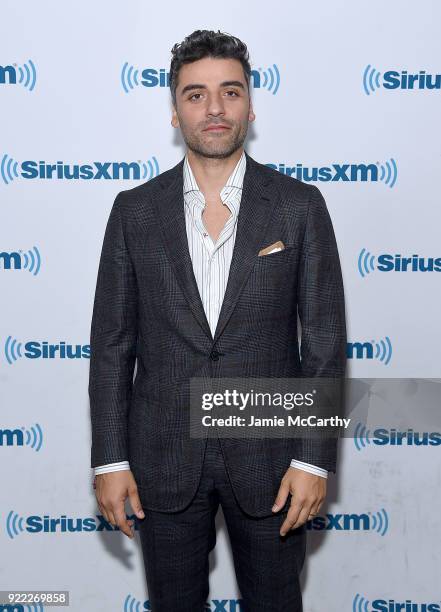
[234, 180]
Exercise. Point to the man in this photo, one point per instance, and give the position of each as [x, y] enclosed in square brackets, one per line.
[183, 290]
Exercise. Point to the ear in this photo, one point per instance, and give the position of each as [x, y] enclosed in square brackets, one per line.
[174, 119]
[251, 115]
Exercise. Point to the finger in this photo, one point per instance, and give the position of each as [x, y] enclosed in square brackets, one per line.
[107, 512]
[282, 496]
[111, 518]
[291, 517]
[302, 518]
[314, 510]
[121, 520]
[104, 511]
[135, 502]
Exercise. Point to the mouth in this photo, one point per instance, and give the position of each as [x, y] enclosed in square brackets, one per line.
[216, 128]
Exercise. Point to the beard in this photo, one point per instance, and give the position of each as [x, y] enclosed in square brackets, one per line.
[216, 145]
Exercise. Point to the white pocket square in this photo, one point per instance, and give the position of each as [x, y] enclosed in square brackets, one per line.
[272, 248]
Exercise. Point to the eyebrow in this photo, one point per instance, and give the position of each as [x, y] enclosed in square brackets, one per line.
[192, 86]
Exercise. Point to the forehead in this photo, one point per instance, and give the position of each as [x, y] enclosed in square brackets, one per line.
[210, 71]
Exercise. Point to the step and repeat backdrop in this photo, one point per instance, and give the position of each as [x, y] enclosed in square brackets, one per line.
[347, 97]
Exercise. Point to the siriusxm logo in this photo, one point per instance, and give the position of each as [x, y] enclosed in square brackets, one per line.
[25, 75]
[131, 604]
[32, 437]
[368, 521]
[386, 262]
[29, 169]
[16, 524]
[381, 350]
[29, 260]
[132, 77]
[33, 349]
[386, 173]
[393, 79]
[361, 604]
[391, 437]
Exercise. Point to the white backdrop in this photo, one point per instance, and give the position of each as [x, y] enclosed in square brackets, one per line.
[71, 91]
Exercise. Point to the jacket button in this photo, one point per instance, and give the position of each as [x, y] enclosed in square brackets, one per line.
[214, 355]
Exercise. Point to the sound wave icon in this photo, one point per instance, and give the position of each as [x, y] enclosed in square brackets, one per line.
[389, 172]
[31, 260]
[14, 524]
[380, 521]
[8, 169]
[383, 350]
[34, 437]
[371, 80]
[132, 605]
[360, 604]
[361, 436]
[129, 77]
[12, 350]
[365, 262]
[271, 78]
[27, 75]
[150, 169]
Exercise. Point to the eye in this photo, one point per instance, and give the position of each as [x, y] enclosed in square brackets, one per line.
[230, 91]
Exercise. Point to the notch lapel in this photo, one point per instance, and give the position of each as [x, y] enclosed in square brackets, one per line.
[170, 211]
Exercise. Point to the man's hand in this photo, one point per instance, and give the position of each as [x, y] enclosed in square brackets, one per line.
[111, 491]
[308, 492]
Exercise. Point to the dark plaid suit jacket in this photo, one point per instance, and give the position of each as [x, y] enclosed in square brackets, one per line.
[148, 310]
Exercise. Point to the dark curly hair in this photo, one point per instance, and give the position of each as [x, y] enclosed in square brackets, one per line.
[207, 43]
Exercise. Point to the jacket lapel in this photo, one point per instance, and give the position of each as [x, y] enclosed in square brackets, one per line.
[254, 214]
[170, 210]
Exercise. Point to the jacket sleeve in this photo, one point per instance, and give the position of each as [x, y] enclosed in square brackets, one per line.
[321, 309]
[113, 338]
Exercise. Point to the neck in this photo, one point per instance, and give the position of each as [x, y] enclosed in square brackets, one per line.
[211, 174]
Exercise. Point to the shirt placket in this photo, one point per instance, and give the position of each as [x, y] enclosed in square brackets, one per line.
[213, 251]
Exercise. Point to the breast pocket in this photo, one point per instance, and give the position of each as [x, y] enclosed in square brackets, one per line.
[273, 276]
[277, 257]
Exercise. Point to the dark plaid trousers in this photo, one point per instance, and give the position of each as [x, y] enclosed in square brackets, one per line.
[176, 546]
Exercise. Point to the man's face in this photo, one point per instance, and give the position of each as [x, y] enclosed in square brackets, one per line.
[210, 92]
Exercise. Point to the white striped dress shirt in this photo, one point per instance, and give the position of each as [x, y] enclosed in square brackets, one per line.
[211, 262]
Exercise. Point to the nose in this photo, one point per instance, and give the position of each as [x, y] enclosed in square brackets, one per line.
[215, 105]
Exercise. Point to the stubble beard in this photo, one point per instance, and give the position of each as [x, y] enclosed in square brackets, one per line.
[217, 147]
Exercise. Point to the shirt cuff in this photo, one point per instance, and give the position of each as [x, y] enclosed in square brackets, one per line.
[308, 467]
[112, 467]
